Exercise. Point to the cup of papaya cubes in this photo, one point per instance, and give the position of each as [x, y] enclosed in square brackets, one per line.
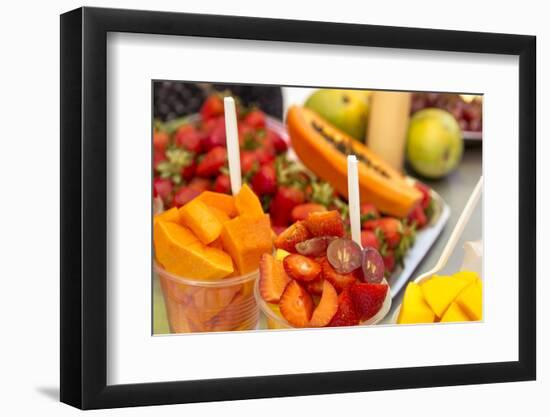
[207, 254]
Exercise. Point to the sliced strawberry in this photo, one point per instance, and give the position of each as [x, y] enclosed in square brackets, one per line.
[212, 162]
[160, 140]
[264, 182]
[368, 298]
[327, 307]
[327, 223]
[339, 281]
[301, 268]
[315, 287]
[162, 187]
[346, 314]
[189, 138]
[301, 211]
[273, 278]
[391, 228]
[222, 184]
[255, 119]
[369, 239]
[296, 305]
[212, 107]
[286, 198]
[184, 195]
[292, 235]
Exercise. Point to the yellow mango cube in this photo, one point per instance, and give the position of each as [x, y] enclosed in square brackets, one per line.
[440, 291]
[467, 276]
[414, 308]
[471, 300]
[171, 215]
[201, 220]
[454, 314]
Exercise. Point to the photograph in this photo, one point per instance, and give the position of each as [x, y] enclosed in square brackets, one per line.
[298, 207]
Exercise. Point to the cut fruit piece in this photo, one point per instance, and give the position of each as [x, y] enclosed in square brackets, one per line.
[339, 281]
[315, 287]
[467, 276]
[346, 315]
[171, 215]
[327, 307]
[454, 314]
[246, 239]
[247, 203]
[440, 291]
[223, 202]
[201, 220]
[182, 253]
[281, 254]
[294, 234]
[325, 223]
[273, 278]
[301, 268]
[470, 300]
[296, 305]
[220, 215]
[414, 308]
[368, 298]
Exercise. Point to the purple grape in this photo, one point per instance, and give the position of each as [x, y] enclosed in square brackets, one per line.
[373, 266]
[344, 255]
[316, 246]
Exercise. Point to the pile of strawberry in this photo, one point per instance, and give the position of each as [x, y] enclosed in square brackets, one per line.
[324, 279]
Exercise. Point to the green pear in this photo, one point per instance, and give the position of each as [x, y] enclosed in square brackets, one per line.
[345, 109]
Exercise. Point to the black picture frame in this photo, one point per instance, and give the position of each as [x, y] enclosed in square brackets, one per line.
[84, 207]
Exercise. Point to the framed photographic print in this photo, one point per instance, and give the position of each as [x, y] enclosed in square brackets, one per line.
[258, 208]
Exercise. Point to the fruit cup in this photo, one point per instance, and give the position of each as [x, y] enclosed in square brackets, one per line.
[226, 304]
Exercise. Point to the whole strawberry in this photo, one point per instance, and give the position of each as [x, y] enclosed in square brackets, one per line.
[286, 198]
[391, 228]
[264, 182]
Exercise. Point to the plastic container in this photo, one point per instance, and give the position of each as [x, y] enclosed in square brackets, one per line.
[209, 306]
[276, 321]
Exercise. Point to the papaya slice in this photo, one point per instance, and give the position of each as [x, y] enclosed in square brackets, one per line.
[248, 203]
[323, 149]
[204, 223]
[171, 215]
[220, 201]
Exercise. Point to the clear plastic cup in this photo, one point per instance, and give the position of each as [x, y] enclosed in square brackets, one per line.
[274, 320]
[222, 305]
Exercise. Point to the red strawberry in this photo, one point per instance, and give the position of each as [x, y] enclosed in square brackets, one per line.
[425, 190]
[212, 162]
[279, 144]
[162, 187]
[346, 314]
[315, 287]
[188, 137]
[222, 184]
[369, 212]
[215, 138]
[273, 278]
[160, 140]
[255, 119]
[368, 298]
[389, 260]
[249, 163]
[339, 281]
[301, 268]
[245, 132]
[328, 223]
[212, 107]
[209, 125]
[368, 238]
[418, 217]
[189, 171]
[264, 155]
[294, 234]
[391, 228]
[286, 198]
[301, 211]
[327, 307]
[158, 157]
[265, 181]
[296, 305]
[184, 195]
[199, 184]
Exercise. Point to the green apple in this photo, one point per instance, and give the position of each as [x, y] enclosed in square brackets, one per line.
[434, 143]
[345, 109]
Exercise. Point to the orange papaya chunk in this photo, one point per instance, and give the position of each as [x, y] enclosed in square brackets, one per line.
[223, 202]
[221, 215]
[246, 239]
[248, 203]
[201, 220]
[171, 215]
[182, 253]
